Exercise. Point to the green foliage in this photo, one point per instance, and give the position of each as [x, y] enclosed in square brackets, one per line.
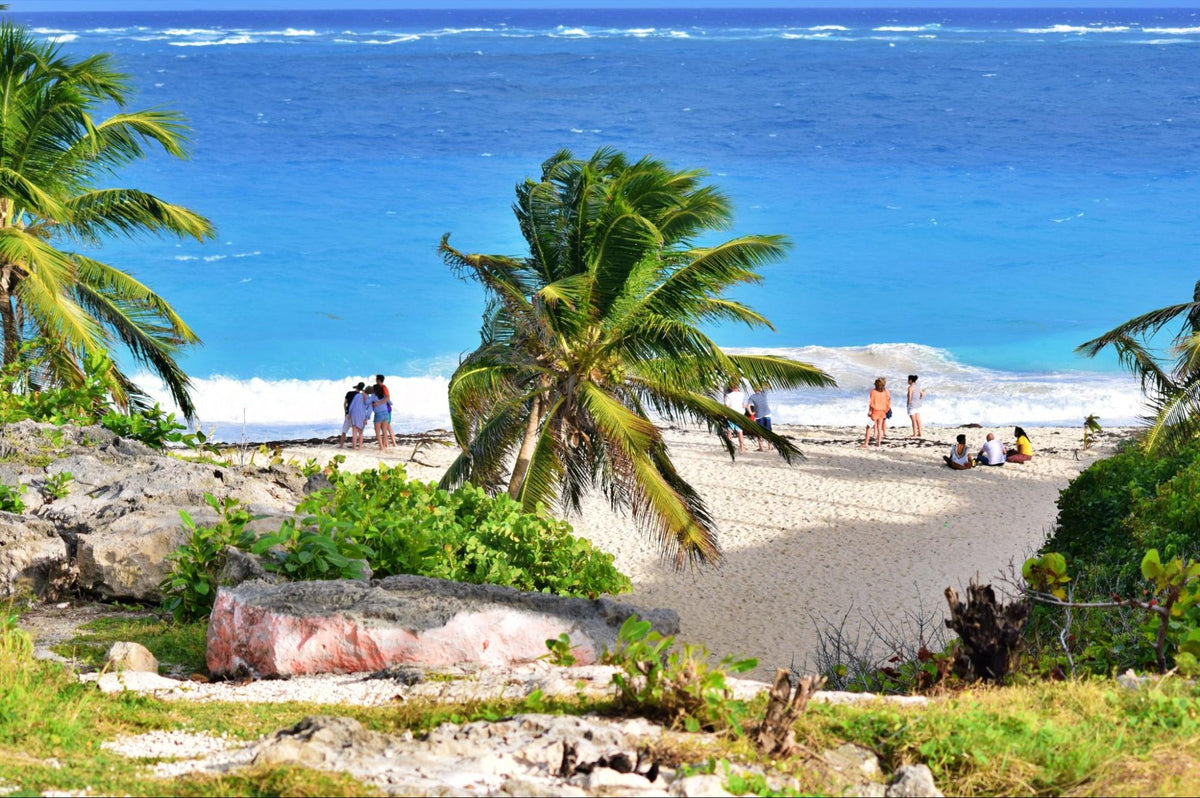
[601, 325]
[1047, 574]
[678, 686]
[10, 499]
[560, 651]
[410, 527]
[61, 155]
[191, 588]
[57, 486]
[318, 550]
[155, 428]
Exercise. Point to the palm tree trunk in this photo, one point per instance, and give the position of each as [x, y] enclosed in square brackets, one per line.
[8, 321]
[521, 467]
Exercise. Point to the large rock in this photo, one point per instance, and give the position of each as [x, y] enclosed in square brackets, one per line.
[129, 558]
[343, 626]
[120, 517]
[31, 553]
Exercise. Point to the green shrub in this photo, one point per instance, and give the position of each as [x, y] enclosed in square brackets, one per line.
[679, 687]
[1093, 529]
[191, 588]
[321, 550]
[411, 527]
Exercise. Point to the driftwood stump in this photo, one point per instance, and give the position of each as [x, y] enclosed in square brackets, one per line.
[785, 704]
[990, 632]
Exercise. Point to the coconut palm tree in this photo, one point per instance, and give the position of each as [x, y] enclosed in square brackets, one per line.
[596, 330]
[1173, 388]
[55, 158]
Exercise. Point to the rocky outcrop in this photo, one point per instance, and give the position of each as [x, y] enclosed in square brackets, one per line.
[120, 517]
[31, 553]
[341, 626]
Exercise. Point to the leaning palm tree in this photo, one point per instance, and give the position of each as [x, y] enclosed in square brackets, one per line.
[54, 158]
[596, 330]
[1172, 388]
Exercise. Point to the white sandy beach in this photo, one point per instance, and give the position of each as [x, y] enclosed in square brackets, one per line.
[848, 530]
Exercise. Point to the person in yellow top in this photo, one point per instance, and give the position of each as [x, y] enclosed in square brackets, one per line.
[1023, 451]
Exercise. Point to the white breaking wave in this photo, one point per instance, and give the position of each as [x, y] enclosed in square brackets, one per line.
[956, 393]
[63, 37]
[1077, 29]
[242, 39]
[829, 27]
[279, 409]
[1172, 31]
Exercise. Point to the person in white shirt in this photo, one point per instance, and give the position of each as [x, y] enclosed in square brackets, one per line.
[735, 400]
[992, 452]
[959, 458]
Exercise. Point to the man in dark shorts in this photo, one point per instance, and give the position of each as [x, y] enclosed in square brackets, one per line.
[762, 411]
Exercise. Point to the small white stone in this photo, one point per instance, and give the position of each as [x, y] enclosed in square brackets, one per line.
[127, 656]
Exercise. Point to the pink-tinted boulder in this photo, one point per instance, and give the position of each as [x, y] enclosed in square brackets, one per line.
[298, 628]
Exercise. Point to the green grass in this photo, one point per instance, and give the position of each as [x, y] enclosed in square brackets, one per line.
[1050, 738]
[171, 643]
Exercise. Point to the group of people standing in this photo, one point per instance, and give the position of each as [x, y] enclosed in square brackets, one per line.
[879, 410]
[993, 452]
[362, 405]
[755, 406]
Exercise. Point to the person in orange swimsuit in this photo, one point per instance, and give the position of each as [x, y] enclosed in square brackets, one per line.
[880, 402]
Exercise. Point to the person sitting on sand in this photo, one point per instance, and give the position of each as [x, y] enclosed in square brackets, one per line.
[1023, 451]
[360, 412]
[879, 404]
[915, 396]
[735, 400]
[959, 459]
[992, 453]
[383, 416]
[346, 425]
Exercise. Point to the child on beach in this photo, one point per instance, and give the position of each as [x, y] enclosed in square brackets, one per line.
[879, 404]
[915, 396]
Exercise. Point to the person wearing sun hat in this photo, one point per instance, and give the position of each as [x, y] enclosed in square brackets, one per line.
[346, 423]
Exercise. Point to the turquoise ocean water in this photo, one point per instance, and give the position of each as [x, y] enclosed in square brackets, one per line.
[971, 193]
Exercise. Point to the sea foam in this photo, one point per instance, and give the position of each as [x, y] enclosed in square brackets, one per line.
[956, 393]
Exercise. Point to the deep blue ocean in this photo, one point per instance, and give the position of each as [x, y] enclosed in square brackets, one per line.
[971, 193]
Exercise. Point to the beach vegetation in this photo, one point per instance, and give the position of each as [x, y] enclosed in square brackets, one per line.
[1171, 382]
[597, 330]
[394, 525]
[55, 156]
[677, 685]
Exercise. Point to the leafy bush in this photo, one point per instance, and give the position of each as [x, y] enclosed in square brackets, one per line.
[1109, 517]
[191, 588]
[679, 687]
[411, 527]
[320, 551]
